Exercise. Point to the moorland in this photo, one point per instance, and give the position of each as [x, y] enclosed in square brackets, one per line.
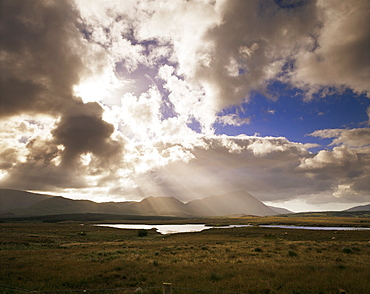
[63, 256]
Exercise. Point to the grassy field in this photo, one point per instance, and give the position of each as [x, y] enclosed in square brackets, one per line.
[62, 257]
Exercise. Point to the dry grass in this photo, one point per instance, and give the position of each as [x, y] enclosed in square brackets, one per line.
[50, 257]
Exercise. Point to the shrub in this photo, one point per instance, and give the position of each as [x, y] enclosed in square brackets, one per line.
[142, 233]
[292, 253]
[347, 250]
[215, 277]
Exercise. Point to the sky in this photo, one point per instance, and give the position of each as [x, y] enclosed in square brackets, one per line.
[121, 100]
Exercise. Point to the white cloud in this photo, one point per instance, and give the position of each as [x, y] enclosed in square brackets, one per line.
[233, 120]
[142, 114]
[339, 157]
[188, 101]
[350, 137]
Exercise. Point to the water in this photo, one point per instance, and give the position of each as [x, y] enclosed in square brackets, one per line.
[163, 229]
[188, 228]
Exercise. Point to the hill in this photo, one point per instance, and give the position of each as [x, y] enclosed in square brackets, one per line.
[61, 205]
[14, 199]
[166, 206]
[239, 202]
[280, 210]
[360, 208]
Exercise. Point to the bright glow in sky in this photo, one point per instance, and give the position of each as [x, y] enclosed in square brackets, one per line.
[121, 100]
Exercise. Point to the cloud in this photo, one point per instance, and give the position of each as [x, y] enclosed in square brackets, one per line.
[29, 156]
[44, 57]
[350, 137]
[82, 130]
[221, 163]
[215, 54]
[41, 59]
[271, 168]
[233, 120]
[340, 57]
[346, 167]
[344, 170]
[249, 48]
[100, 97]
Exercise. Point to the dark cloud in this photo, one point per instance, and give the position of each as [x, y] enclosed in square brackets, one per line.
[43, 57]
[55, 161]
[252, 44]
[39, 171]
[341, 57]
[43, 177]
[81, 130]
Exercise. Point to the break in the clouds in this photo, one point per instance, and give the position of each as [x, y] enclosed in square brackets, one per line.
[114, 100]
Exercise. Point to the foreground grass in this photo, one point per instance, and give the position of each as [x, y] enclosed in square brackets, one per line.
[57, 257]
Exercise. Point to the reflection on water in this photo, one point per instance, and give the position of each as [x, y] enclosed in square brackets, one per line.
[163, 229]
[187, 228]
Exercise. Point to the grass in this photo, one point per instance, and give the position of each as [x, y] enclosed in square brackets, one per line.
[69, 256]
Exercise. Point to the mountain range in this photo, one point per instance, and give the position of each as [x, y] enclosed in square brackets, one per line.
[14, 203]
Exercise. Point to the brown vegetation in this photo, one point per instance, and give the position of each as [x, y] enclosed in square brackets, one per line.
[56, 257]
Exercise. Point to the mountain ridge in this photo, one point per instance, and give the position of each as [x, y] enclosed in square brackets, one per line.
[238, 202]
[359, 208]
[13, 199]
[24, 203]
[17, 203]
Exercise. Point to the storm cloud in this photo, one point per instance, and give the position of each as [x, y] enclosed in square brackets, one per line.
[43, 58]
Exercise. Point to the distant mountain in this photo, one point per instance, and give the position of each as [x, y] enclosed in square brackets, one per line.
[359, 208]
[239, 202]
[14, 199]
[280, 210]
[21, 203]
[166, 206]
[61, 205]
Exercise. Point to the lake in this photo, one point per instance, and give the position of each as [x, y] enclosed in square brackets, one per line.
[188, 228]
[163, 229]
